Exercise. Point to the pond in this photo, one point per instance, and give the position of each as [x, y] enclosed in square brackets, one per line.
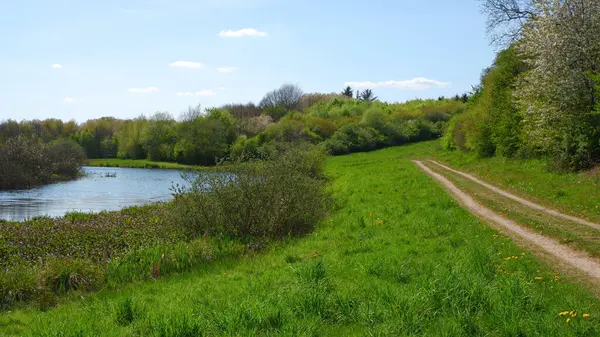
[101, 189]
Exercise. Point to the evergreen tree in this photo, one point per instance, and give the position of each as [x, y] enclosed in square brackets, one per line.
[367, 95]
[348, 92]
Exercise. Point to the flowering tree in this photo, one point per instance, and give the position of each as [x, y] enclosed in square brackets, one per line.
[559, 93]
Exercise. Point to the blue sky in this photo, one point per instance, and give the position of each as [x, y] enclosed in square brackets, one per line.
[74, 59]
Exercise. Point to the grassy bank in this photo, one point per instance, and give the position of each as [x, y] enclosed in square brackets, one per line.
[138, 163]
[396, 257]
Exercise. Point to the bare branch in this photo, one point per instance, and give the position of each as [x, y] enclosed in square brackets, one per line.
[506, 19]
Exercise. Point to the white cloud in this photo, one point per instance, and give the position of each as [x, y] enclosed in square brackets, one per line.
[419, 83]
[149, 90]
[204, 92]
[57, 66]
[222, 88]
[242, 33]
[69, 100]
[186, 64]
[226, 69]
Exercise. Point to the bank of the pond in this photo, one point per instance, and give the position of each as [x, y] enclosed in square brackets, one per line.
[396, 257]
[142, 163]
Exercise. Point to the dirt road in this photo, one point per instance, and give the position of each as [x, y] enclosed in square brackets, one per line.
[519, 199]
[576, 259]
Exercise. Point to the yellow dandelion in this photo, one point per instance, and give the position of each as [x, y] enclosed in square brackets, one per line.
[586, 315]
[573, 314]
[507, 258]
[563, 313]
[568, 319]
[539, 278]
[515, 257]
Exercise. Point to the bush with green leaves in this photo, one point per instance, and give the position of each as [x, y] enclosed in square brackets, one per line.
[27, 161]
[283, 195]
[492, 124]
[354, 138]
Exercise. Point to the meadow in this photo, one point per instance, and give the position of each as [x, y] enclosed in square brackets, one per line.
[396, 256]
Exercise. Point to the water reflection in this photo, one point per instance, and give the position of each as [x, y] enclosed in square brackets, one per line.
[101, 189]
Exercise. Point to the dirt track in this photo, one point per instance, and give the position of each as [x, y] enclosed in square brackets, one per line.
[521, 200]
[576, 259]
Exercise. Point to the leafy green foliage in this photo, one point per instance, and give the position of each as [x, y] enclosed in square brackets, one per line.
[367, 95]
[205, 138]
[282, 195]
[27, 161]
[493, 123]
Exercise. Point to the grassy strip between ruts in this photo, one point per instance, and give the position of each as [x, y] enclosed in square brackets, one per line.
[397, 257]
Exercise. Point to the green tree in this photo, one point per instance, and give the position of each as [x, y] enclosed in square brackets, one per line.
[559, 91]
[158, 137]
[348, 92]
[129, 139]
[367, 96]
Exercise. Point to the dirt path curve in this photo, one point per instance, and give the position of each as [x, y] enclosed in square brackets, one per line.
[521, 200]
[576, 259]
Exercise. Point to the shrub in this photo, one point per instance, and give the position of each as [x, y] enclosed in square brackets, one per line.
[252, 126]
[27, 161]
[284, 195]
[354, 138]
[66, 157]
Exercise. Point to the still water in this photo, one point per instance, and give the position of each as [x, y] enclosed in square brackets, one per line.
[101, 189]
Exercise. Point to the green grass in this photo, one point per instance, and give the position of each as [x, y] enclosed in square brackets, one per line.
[574, 193]
[396, 257]
[138, 163]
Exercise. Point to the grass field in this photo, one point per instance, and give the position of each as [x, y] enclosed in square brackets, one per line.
[397, 257]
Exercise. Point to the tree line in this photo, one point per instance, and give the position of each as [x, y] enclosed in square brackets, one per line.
[540, 96]
[343, 122]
